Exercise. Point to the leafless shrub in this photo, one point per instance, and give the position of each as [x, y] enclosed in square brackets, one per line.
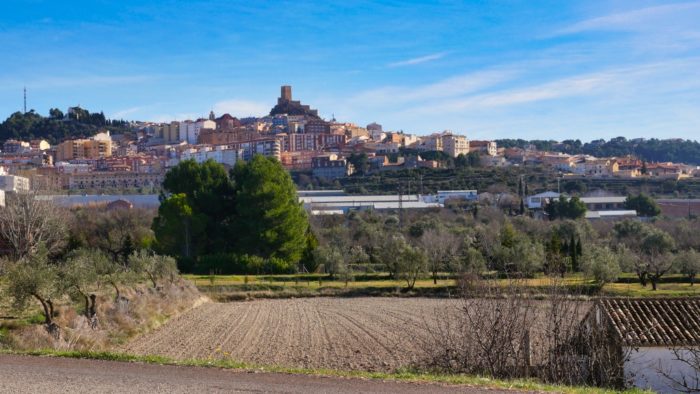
[27, 224]
[487, 334]
[687, 380]
[502, 330]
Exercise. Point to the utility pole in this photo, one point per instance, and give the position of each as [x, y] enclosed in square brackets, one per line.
[400, 206]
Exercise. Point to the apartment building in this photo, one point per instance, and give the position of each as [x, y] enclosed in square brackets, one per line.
[221, 154]
[484, 147]
[331, 167]
[13, 183]
[294, 142]
[109, 179]
[190, 131]
[448, 142]
[97, 147]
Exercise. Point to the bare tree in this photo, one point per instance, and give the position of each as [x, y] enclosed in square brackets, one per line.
[441, 248]
[27, 223]
[688, 382]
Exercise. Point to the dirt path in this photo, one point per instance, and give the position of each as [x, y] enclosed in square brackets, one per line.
[374, 334]
[25, 374]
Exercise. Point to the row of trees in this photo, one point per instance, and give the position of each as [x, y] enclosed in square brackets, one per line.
[489, 242]
[82, 276]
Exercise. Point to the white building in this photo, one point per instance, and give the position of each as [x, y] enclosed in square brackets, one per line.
[654, 335]
[324, 202]
[189, 130]
[601, 207]
[337, 202]
[538, 201]
[220, 154]
[13, 183]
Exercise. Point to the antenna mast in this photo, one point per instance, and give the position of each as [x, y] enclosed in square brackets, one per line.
[25, 99]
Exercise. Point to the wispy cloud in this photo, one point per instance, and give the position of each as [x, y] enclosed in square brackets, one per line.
[450, 87]
[631, 99]
[639, 19]
[418, 60]
[121, 114]
[238, 107]
[645, 79]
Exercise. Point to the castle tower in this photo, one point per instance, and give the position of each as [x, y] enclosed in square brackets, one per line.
[286, 93]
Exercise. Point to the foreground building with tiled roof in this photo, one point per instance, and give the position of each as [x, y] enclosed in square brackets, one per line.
[658, 339]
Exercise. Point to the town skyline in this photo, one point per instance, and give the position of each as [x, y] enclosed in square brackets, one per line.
[535, 71]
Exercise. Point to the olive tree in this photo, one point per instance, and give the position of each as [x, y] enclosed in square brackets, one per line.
[81, 280]
[688, 264]
[602, 264]
[656, 247]
[34, 278]
[411, 263]
[441, 249]
[155, 267]
[651, 247]
[391, 245]
[472, 262]
[330, 257]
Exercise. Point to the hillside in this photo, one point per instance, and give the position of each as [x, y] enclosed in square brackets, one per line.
[654, 150]
[56, 127]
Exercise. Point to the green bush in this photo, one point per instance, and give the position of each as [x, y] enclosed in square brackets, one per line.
[235, 264]
[275, 265]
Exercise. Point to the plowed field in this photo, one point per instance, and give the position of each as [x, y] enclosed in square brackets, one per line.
[376, 334]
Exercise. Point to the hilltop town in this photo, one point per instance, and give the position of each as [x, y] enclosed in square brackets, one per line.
[119, 157]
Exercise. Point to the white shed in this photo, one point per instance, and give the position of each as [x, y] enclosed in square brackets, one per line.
[660, 339]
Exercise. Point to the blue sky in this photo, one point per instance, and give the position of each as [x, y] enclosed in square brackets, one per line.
[502, 69]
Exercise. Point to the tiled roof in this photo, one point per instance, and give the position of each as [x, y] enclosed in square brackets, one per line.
[655, 322]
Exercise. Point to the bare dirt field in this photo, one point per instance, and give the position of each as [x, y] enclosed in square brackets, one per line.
[375, 334]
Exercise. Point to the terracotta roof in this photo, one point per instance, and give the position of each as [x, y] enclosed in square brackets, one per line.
[655, 322]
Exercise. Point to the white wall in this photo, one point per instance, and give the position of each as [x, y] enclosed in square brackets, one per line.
[644, 365]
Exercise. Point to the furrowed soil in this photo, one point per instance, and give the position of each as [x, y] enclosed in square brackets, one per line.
[372, 334]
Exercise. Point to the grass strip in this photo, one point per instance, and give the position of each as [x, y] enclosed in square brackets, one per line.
[400, 376]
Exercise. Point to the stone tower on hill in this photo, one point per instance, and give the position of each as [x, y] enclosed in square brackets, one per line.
[286, 94]
[285, 105]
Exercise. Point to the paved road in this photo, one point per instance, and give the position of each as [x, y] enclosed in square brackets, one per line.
[27, 374]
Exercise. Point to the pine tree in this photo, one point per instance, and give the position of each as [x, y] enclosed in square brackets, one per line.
[270, 221]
